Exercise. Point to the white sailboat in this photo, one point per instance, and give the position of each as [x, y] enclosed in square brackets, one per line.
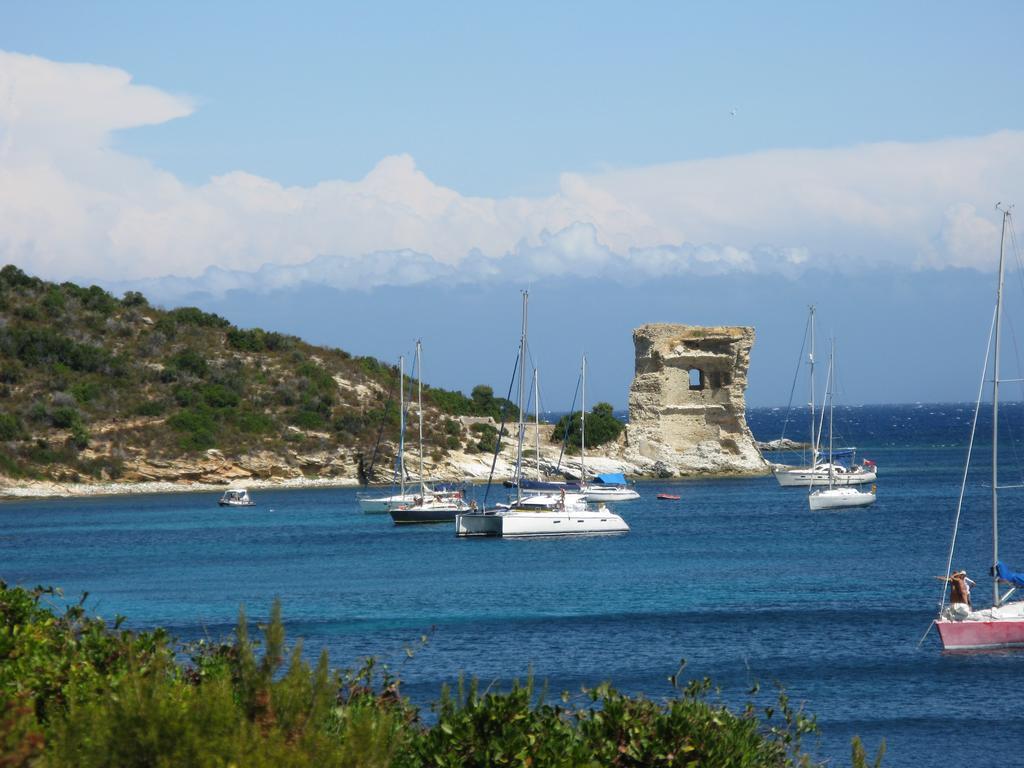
[837, 497]
[428, 506]
[381, 504]
[824, 469]
[556, 514]
[961, 626]
[612, 487]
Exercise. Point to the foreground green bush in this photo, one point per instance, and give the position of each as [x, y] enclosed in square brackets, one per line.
[77, 692]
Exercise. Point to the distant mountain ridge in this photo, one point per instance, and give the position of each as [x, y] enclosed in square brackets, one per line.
[99, 388]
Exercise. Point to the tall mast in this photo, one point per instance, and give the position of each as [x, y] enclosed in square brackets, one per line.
[536, 416]
[810, 360]
[401, 436]
[831, 396]
[583, 423]
[522, 388]
[419, 396]
[996, 600]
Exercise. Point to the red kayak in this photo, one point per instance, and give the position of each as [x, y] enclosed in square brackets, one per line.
[668, 497]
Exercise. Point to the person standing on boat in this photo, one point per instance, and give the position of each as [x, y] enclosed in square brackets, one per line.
[960, 588]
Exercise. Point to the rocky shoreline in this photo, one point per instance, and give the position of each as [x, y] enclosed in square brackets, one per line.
[214, 472]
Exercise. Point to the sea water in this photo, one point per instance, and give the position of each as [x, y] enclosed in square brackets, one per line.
[738, 577]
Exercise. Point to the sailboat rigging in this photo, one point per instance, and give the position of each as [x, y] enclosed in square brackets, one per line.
[429, 505]
[541, 514]
[835, 497]
[382, 504]
[838, 467]
[960, 626]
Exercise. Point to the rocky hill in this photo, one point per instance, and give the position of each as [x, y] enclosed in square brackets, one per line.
[97, 388]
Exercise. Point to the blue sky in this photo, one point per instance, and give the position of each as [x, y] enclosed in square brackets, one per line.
[247, 155]
[498, 99]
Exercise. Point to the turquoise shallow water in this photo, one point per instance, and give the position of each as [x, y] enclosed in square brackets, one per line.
[738, 577]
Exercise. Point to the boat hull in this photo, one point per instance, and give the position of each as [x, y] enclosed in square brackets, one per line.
[433, 514]
[840, 498]
[540, 523]
[596, 493]
[981, 635]
[383, 504]
[805, 477]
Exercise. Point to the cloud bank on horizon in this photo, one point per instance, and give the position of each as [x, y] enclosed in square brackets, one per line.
[74, 207]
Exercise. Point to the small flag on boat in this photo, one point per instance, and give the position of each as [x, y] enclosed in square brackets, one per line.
[869, 463]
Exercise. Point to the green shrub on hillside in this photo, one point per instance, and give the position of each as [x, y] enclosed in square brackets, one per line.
[198, 428]
[196, 317]
[482, 402]
[257, 340]
[190, 361]
[219, 396]
[37, 347]
[72, 347]
[601, 427]
[11, 427]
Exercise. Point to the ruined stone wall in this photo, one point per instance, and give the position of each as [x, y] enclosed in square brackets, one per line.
[686, 403]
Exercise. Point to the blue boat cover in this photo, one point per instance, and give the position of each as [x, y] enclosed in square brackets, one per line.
[611, 478]
[839, 456]
[1004, 573]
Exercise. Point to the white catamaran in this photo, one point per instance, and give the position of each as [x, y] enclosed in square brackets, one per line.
[556, 514]
[1001, 625]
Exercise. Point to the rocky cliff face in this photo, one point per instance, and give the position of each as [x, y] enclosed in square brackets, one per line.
[686, 403]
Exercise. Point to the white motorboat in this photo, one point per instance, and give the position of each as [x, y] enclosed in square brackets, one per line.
[552, 514]
[427, 506]
[960, 625]
[236, 497]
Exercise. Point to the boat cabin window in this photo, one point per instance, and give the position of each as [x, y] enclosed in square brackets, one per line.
[696, 378]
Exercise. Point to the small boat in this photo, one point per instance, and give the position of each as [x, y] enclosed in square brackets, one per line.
[839, 466]
[961, 626]
[837, 496]
[668, 497]
[609, 487]
[236, 497]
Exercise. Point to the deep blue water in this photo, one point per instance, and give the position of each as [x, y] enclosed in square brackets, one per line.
[739, 578]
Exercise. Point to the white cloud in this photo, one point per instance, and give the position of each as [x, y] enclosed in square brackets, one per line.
[72, 207]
